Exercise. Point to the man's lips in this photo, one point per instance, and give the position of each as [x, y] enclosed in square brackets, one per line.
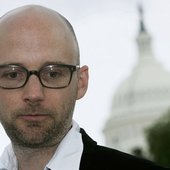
[34, 117]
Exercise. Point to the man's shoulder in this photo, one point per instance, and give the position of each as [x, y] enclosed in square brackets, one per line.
[101, 157]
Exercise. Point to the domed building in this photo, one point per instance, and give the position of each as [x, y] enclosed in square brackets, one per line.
[140, 100]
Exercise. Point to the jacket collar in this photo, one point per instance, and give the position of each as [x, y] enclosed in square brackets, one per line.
[88, 151]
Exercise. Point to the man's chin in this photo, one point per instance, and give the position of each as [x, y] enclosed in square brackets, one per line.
[31, 135]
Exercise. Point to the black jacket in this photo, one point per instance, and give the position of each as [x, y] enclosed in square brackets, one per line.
[96, 157]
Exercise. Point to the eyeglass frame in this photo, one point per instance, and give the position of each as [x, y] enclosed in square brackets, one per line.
[72, 69]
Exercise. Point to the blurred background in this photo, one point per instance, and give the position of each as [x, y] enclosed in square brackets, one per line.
[125, 43]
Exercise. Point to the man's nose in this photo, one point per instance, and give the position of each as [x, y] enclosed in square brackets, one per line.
[33, 91]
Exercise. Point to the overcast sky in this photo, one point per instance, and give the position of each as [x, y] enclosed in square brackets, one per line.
[106, 31]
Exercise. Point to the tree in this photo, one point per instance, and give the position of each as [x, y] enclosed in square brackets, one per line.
[158, 139]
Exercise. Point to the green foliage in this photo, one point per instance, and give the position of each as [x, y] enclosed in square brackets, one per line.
[158, 138]
[137, 151]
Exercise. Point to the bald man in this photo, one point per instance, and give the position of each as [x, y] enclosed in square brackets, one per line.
[40, 82]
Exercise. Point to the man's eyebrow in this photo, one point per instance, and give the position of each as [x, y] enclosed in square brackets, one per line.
[12, 63]
[53, 63]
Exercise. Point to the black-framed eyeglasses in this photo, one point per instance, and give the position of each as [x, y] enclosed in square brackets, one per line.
[54, 76]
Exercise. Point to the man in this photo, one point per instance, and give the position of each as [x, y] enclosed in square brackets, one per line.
[40, 81]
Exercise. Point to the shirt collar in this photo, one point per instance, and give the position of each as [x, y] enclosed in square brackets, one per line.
[8, 159]
[68, 153]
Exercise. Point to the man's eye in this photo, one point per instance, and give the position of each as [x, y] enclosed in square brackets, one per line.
[12, 75]
[54, 74]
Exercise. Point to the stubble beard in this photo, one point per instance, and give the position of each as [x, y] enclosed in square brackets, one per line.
[39, 134]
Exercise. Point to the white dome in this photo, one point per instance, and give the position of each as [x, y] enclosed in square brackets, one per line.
[139, 101]
[149, 82]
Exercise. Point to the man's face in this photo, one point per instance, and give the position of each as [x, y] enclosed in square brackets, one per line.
[35, 116]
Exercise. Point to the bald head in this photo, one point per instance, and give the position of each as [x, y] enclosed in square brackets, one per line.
[46, 24]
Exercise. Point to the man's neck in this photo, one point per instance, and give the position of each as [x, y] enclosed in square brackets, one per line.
[34, 159]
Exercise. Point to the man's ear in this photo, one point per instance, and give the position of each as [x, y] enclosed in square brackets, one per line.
[83, 78]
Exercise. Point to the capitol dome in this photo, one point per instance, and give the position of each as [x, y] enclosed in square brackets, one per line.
[139, 101]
